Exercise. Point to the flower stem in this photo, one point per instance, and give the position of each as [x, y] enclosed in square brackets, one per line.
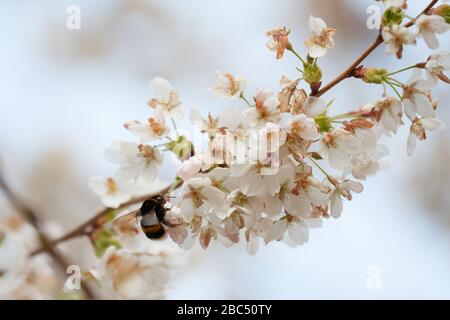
[321, 169]
[401, 70]
[393, 88]
[175, 126]
[245, 99]
[297, 55]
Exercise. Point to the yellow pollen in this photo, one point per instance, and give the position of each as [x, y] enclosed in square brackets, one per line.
[112, 186]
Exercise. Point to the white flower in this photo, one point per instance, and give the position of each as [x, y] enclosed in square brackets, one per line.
[304, 195]
[322, 38]
[135, 160]
[430, 25]
[300, 126]
[199, 195]
[228, 86]
[267, 109]
[297, 230]
[297, 195]
[415, 96]
[395, 37]
[278, 41]
[342, 190]
[112, 193]
[418, 128]
[337, 146]
[264, 141]
[388, 113]
[309, 105]
[165, 98]
[233, 120]
[210, 125]
[288, 87]
[354, 149]
[133, 275]
[257, 178]
[155, 127]
[256, 229]
[437, 64]
[190, 168]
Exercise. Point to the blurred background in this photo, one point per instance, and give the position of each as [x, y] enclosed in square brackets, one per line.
[66, 93]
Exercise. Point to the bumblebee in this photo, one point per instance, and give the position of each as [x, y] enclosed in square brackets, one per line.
[152, 216]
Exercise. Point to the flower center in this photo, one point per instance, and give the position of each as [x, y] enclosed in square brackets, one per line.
[111, 185]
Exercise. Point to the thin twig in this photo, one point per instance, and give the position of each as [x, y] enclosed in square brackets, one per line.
[32, 218]
[87, 227]
[378, 40]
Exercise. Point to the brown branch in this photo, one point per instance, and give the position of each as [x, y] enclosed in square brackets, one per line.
[87, 227]
[30, 216]
[379, 40]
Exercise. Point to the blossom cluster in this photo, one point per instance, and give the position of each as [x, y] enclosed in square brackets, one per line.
[22, 277]
[281, 162]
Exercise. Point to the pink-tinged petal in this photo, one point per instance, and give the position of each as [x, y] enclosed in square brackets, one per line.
[238, 170]
[317, 25]
[316, 196]
[161, 89]
[214, 197]
[410, 109]
[276, 231]
[431, 40]
[432, 124]
[317, 51]
[298, 233]
[335, 205]
[252, 244]
[411, 145]
[352, 185]
[252, 185]
[273, 206]
[299, 206]
[424, 106]
[315, 106]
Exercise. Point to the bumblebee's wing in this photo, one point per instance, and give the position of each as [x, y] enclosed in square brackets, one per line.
[172, 223]
[127, 223]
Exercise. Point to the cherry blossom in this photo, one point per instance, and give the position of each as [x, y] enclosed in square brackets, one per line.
[229, 86]
[437, 64]
[278, 41]
[322, 38]
[429, 26]
[165, 98]
[395, 37]
[155, 127]
[415, 96]
[112, 192]
[418, 131]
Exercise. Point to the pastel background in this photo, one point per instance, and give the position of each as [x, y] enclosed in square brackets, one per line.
[65, 94]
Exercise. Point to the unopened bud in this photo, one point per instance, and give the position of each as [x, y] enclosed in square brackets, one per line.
[374, 75]
[444, 11]
[312, 73]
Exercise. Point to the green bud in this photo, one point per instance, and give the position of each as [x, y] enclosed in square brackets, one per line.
[375, 75]
[443, 11]
[323, 121]
[393, 16]
[312, 73]
[103, 239]
[316, 156]
[182, 147]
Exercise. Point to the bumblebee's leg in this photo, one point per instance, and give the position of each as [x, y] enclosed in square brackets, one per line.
[160, 212]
